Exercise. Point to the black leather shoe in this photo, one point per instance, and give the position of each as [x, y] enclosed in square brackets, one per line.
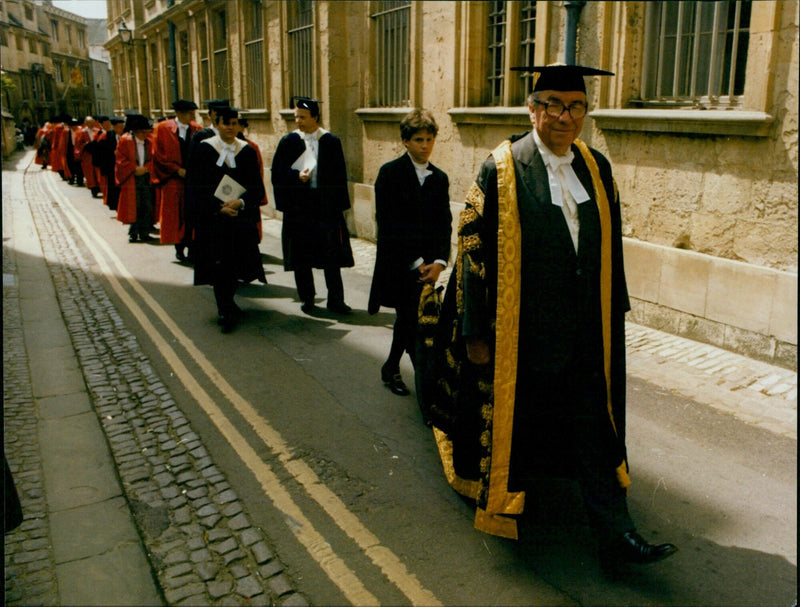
[227, 322]
[339, 308]
[394, 381]
[308, 306]
[179, 254]
[633, 548]
[132, 237]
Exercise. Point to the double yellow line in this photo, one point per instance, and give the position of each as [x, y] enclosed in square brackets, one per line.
[313, 541]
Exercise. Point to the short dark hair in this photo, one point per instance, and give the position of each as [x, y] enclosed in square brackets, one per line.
[417, 120]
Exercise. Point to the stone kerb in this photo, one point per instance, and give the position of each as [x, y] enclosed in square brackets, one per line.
[746, 306]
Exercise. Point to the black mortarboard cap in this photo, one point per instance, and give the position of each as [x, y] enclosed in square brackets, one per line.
[560, 77]
[116, 120]
[137, 122]
[227, 112]
[101, 118]
[182, 105]
[215, 104]
[306, 103]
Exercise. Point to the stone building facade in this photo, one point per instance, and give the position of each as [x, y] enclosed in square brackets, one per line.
[700, 121]
[45, 52]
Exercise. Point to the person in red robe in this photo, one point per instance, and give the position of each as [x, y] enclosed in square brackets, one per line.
[91, 130]
[78, 140]
[96, 153]
[58, 151]
[44, 144]
[170, 161]
[132, 171]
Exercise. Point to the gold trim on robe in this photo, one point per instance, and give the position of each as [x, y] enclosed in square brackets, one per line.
[497, 518]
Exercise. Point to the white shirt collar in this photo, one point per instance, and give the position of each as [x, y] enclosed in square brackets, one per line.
[553, 163]
[422, 170]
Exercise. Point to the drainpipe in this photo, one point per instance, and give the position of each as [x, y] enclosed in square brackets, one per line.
[571, 35]
[173, 58]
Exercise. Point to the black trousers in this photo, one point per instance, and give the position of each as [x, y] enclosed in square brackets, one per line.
[225, 284]
[404, 333]
[562, 428]
[145, 199]
[304, 280]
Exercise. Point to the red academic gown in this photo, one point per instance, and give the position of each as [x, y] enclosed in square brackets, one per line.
[264, 200]
[80, 155]
[170, 187]
[123, 173]
[89, 172]
[44, 133]
[101, 179]
[58, 153]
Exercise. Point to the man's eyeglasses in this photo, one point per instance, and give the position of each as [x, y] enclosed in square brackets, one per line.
[555, 108]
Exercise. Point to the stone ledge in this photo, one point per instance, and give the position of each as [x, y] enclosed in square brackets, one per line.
[695, 122]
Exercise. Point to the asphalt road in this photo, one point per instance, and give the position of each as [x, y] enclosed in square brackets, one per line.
[345, 479]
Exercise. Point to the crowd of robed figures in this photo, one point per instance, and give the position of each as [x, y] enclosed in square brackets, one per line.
[520, 370]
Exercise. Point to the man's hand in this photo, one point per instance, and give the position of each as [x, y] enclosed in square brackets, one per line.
[182, 173]
[139, 171]
[477, 350]
[305, 175]
[231, 208]
[430, 273]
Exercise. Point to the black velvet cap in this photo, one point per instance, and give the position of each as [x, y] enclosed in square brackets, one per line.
[137, 122]
[215, 104]
[226, 112]
[560, 77]
[116, 120]
[182, 105]
[306, 103]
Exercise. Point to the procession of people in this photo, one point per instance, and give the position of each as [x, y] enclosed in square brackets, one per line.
[521, 373]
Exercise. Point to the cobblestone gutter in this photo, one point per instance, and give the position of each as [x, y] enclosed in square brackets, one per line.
[201, 544]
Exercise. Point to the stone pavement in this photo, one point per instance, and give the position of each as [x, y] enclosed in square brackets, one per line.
[123, 504]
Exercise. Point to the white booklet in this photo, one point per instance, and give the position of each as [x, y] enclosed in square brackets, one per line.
[306, 160]
[229, 189]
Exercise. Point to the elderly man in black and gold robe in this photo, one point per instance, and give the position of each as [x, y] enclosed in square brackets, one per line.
[533, 328]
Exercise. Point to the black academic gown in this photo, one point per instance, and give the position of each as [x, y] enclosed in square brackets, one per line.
[414, 221]
[230, 242]
[559, 348]
[314, 232]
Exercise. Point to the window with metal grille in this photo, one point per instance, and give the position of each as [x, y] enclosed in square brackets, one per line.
[205, 67]
[527, 41]
[511, 40]
[301, 47]
[58, 71]
[185, 62]
[220, 39]
[254, 55]
[393, 55]
[496, 51]
[695, 52]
